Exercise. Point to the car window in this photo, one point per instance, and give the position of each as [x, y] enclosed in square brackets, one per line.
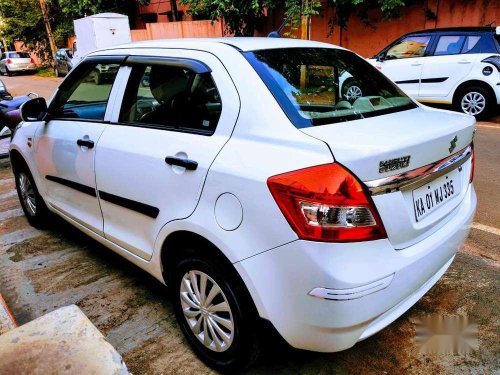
[411, 46]
[470, 43]
[19, 55]
[317, 86]
[449, 45]
[87, 97]
[171, 97]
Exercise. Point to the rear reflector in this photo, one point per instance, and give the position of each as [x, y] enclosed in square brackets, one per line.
[327, 203]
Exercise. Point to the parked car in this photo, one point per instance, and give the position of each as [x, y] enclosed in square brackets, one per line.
[455, 66]
[62, 62]
[16, 62]
[234, 171]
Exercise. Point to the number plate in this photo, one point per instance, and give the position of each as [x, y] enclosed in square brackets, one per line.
[435, 194]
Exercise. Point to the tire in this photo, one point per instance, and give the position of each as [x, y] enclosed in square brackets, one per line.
[56, 71]
[240, 348]
[8, 72]
[475, 101]
[351, 91]
[31, 201]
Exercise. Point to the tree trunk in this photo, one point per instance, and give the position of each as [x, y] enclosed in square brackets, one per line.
[173, 8]
[48, 28]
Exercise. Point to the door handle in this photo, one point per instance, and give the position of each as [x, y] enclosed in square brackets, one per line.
[464, 62]
[190, 165]
[416, 64]
[85, 143]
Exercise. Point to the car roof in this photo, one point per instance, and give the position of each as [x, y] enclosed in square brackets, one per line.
[239, 43]
[482, 29]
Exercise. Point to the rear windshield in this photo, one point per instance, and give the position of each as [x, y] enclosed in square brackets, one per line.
[19, 55]
[317, 86]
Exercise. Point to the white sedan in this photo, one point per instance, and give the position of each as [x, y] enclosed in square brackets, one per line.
[235, 171]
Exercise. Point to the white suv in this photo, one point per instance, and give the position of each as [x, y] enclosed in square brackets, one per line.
[455, 66]
[234, 171]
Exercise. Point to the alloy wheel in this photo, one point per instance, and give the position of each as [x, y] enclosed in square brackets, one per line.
[353, 92]
[207, 311]
[473, 103]
[27, 193]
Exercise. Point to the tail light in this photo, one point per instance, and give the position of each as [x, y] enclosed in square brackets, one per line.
[327, 203]
[9, 61]
[472, 162]
[32, 61]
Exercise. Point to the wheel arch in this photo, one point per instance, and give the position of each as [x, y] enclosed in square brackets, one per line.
[472, 83]
[185, 243]
[17, 160]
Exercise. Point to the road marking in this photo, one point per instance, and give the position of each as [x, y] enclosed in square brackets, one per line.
[486, 228]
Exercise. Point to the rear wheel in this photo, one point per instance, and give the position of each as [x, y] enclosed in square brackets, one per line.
[352, 91]
[475, 101]
[214, 314]
[31, 201]
[56, 71]
[8, 72]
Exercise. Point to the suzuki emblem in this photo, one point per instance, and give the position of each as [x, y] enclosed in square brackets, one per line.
[453, 144]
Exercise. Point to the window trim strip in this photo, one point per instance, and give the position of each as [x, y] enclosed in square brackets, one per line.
[195, 65]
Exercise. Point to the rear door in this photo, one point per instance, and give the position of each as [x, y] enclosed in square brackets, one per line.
[403, 62]
[177, 112]
[65, 145]
[448, 65]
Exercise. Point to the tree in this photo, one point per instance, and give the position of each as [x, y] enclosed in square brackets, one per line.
[243, 17]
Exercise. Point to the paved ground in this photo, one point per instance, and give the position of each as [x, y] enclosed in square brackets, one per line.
[43, 270]
[23, 84]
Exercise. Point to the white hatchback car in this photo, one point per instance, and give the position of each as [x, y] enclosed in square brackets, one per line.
[15, 62]
[234, 171]
[455, 66]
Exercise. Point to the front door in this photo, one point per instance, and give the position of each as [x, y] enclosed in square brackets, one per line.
[176, 115]
[65, 145]
[403, 63]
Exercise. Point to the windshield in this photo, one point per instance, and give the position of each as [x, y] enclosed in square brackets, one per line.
[317, 86]
[19, 55]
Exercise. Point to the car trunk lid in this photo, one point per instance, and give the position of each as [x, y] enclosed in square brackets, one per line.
[378, 148]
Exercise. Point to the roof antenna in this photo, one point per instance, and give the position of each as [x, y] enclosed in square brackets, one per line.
[277, 33]
[490, 24]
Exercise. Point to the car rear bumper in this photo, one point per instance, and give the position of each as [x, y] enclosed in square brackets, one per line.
[369, 284]
[17, 68]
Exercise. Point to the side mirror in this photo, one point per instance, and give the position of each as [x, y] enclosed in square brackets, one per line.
[381, 56]
[34, 110]
[5, 95]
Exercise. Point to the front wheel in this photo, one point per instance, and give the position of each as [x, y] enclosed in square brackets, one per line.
[31, 201]
[475, 101]
[214, 314]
